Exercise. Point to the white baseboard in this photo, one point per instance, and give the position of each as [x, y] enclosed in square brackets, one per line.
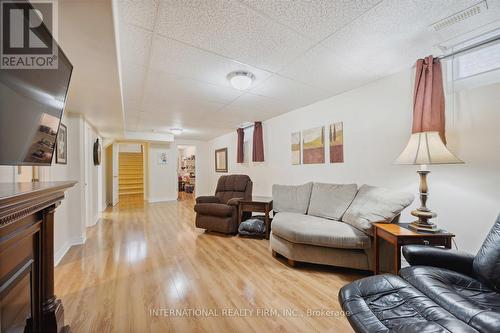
[162, 199]
[59, 254]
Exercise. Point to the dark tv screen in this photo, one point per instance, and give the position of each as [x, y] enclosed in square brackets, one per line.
[31, 107]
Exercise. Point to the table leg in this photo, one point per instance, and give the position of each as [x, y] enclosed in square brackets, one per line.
[377, 264]
[447, 243]
[397, 259]
[268, 224]
[239, 214]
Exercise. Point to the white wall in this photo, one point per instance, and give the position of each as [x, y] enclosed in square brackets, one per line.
[70, 219]
[162, 183]
[6, 174]
[95, 176]
[377, 124]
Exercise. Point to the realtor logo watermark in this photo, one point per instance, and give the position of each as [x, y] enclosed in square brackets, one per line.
[26, 28]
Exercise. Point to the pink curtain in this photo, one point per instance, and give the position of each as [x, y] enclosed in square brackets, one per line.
[241, 137]
[428, 98]
[258, 143]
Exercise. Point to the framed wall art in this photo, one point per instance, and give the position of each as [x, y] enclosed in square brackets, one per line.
[62, 145]
[337, 143]
[313, 146]
[221, 160]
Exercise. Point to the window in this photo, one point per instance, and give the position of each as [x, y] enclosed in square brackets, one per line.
[477, 62]
[476, 67]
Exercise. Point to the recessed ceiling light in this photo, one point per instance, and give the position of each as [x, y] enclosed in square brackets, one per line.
[176, 131]
[241, 80]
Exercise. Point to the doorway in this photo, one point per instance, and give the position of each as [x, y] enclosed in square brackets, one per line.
[131, 171]
[186, 172]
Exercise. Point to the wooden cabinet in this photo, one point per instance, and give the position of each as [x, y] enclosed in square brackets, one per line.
[27, 300]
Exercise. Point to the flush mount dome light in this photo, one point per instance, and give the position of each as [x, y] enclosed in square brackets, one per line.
[176, 131]
[241, 80]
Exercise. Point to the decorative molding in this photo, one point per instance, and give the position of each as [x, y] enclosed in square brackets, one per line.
[19, 211]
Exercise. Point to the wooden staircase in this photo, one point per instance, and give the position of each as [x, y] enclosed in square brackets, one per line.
[131, 174]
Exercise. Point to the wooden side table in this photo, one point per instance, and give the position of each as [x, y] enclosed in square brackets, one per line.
[398, 235]
[260, 205]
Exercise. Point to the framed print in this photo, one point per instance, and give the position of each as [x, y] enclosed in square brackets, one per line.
[313, 146]
[221, 160]
[62, 145]
[162, 158]
[295, 148]
[336, 143]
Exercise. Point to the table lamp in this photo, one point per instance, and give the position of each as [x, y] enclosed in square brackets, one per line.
[425, 148]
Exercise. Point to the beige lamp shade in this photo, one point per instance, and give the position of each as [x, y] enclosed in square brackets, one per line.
[426, 148]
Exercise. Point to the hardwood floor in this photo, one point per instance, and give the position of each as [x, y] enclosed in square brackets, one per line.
[143, 260]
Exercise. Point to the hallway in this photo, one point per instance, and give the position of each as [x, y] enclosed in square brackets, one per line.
[142, 259]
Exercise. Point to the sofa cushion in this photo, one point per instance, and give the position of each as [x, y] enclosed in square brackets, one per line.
[293, 199]
[312, 230]
[375, 204]
[387, 303]
[466, 298]
[331, 200]
[486, 264]
[214, 209]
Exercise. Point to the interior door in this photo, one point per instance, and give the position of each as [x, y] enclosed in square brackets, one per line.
[115, 196]
[87, 175]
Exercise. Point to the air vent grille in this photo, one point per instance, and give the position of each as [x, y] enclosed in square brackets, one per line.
[460, 16]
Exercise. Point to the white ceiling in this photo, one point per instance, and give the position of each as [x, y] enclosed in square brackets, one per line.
[86, 35]
[176, 54]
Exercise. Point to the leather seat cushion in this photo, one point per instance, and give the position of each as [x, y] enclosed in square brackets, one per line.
[487, 261]
[387, 303]
[214, 209]
[466, 298]
[312, 230]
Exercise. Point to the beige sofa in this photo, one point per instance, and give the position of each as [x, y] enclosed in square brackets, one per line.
[331, 223]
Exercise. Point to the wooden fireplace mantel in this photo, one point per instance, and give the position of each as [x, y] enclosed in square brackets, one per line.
[27, 300]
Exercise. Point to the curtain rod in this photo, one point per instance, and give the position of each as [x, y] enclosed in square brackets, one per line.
[473, 46]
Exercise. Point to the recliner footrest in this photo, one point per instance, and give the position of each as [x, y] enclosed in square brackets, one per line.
[384, 303]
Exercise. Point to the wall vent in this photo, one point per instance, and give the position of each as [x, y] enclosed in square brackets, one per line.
[460, 16]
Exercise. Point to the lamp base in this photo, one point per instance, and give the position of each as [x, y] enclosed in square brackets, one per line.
[424, 215]
[423, 224]
[417, 226]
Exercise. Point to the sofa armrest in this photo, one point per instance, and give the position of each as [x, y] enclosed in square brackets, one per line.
[234, 201]
[208, 199]
[423, 255]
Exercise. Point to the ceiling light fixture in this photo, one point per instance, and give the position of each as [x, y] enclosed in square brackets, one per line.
[241, 80]
[176, 131]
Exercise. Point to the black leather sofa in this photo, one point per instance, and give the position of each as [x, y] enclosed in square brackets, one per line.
[442, 291]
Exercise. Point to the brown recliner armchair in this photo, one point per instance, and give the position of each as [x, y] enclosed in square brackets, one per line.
[220, 212]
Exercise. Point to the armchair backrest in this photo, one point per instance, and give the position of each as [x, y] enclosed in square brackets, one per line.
[486, 264]
[234, 186]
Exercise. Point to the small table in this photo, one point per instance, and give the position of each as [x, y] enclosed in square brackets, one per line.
[398, 235]
[260, 205]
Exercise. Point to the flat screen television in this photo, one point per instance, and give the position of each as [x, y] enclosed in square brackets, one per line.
[31, 106]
